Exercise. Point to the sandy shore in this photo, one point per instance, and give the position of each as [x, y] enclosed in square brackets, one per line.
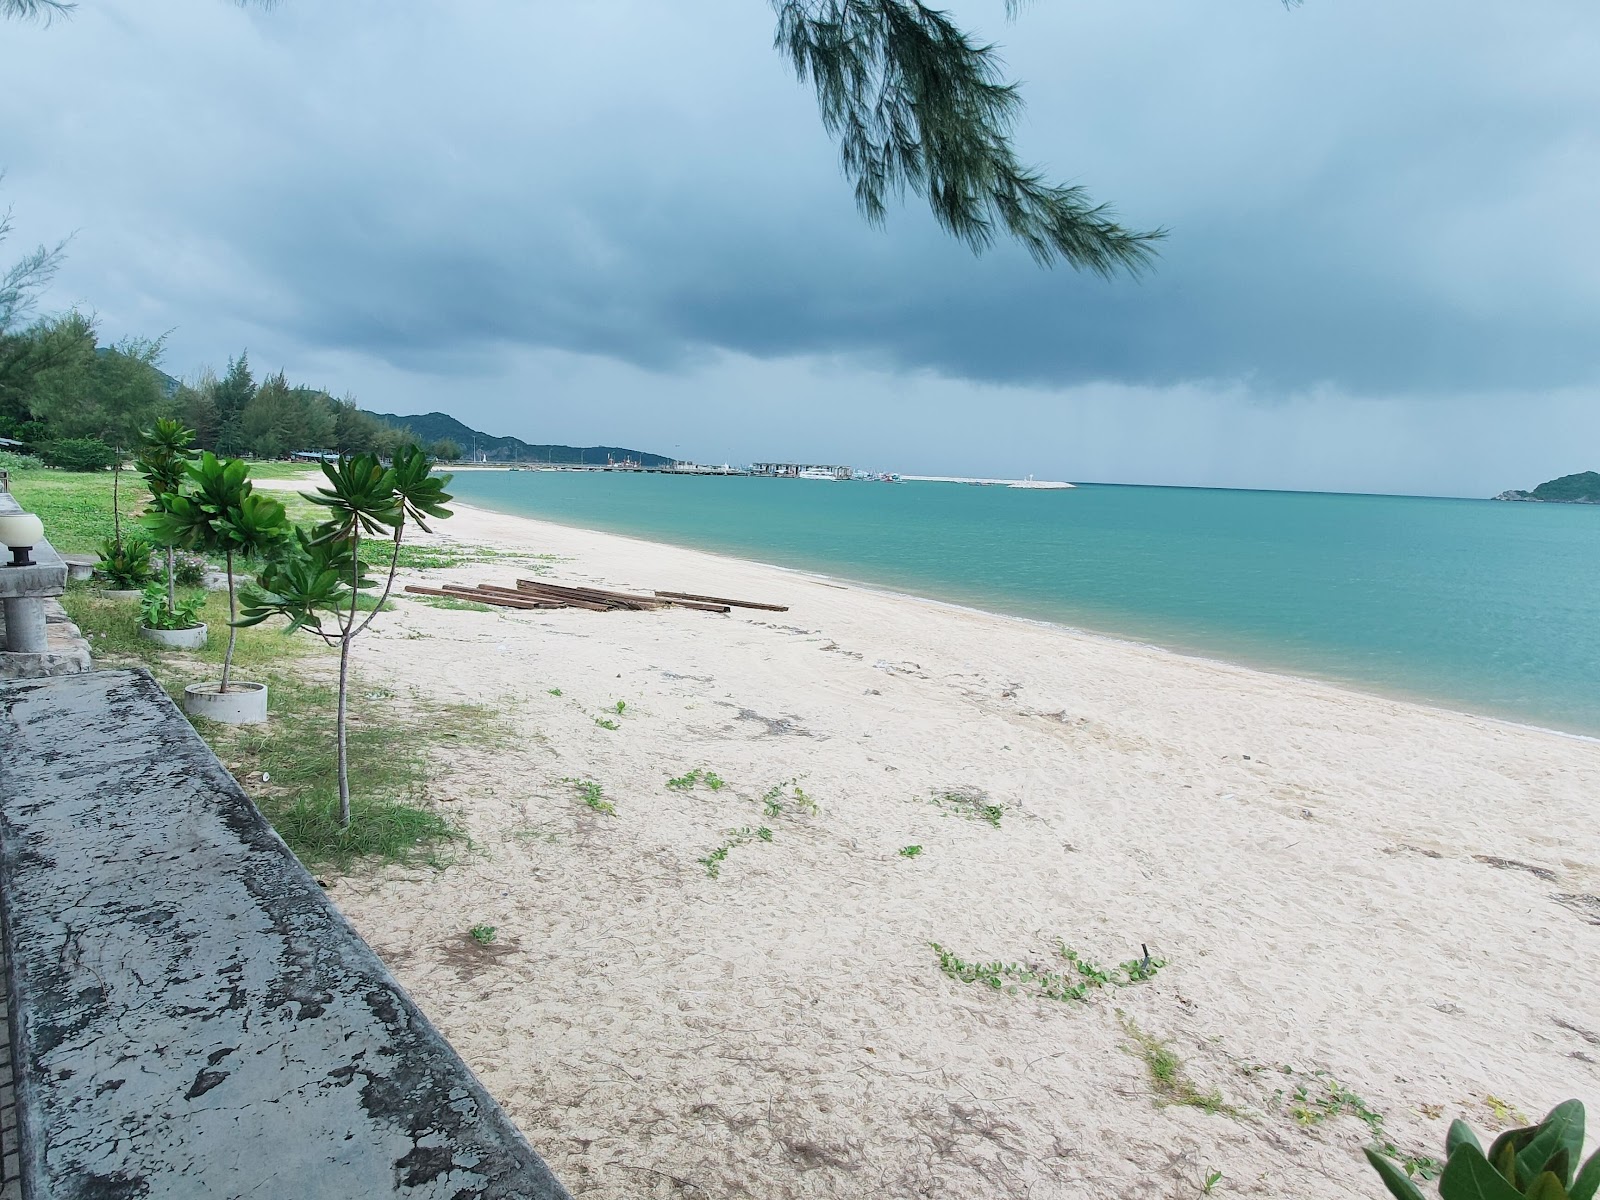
[1353, 896]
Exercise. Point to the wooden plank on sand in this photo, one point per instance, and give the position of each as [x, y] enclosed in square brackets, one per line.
[470, 594]
[546, 594]
[593, 593]
[722, 600]
[487, 597]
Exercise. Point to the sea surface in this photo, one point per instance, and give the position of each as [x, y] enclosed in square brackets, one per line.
[1470, 604]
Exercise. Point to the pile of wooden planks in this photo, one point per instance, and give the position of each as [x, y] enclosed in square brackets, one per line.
[536, 593]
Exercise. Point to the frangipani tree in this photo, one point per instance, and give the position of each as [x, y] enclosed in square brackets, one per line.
[220, 514]
[317, 583]
[164, 456]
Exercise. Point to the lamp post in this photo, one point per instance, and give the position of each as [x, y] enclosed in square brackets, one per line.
[21, 531]
[23, 604]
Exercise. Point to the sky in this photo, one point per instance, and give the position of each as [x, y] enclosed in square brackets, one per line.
[621, 222]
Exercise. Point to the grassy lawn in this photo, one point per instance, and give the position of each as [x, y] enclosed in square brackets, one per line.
[287, 765]
[75, 506]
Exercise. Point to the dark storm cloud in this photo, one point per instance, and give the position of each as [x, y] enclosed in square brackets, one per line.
[1389, 200]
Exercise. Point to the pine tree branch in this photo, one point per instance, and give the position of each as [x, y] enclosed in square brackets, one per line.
[916, 105]
[28, 10]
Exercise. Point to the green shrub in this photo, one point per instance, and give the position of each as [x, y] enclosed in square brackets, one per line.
[154, 614]
[126, 565]
[78, 454]
[1537, 1161]
[10, 460]
[189, 570]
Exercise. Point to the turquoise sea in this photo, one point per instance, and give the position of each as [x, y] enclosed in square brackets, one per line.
[1471, 604]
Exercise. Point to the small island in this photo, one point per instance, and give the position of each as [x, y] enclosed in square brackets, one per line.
[1582, 488]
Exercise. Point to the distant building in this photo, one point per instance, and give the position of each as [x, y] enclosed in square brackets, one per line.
[801, 470]
[315, 455]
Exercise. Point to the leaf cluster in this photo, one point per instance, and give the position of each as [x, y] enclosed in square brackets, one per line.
[916, 104]
[1539, 1162]
[125, 564]
[154, 613]
[217, 512]
[313, 582]
[165, 452]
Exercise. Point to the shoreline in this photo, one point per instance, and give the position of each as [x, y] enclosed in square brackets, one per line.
[1372, 691]
[1332, 880]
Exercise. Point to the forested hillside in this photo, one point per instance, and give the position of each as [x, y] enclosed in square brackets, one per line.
[436, 427]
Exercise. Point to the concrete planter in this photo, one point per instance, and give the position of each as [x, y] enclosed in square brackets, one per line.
[121, 593]
[192, 638]
[80, 566]
[241, 704]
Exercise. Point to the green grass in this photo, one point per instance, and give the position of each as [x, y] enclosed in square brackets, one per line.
[591, 794]
[1168, 1078]
[1076, 981]
[113, 629]
[780, 795]
[267, 468]
[452, 604]
[76, 506]
[391, 769]
[713, 861]
[687, 782]
[76, 510]
[1324, 1097]
[972, 804]
[484, 935]
[390, 740]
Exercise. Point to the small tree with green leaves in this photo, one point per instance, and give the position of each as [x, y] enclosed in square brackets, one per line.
[220, 514]
[317, 583]
[164, 456]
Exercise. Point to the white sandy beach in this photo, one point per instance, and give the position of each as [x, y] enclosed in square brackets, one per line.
[1308, 861]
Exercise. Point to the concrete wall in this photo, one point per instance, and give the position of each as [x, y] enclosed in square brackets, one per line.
[191, 1017]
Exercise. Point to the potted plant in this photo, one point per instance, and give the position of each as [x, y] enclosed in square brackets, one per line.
[164, 455]
[125, 566]
[169, 622]
[221, 514]
[317, 582]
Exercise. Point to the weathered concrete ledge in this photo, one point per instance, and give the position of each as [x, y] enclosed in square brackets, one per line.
[190, 1016]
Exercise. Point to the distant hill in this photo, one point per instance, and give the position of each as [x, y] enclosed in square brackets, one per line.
[437, 426]
[1583, 488]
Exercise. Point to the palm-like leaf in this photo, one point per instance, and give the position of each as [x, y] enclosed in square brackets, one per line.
[177, 520]
[419, 492]
[308, 583]
[359, 495]
[164, 455]
[252, 527]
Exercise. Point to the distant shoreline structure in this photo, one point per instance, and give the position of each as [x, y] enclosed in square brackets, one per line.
[839, 475]
[1029, 483]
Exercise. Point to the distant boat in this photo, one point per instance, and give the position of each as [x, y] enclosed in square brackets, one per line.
[814, 473]
[1040, 485]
